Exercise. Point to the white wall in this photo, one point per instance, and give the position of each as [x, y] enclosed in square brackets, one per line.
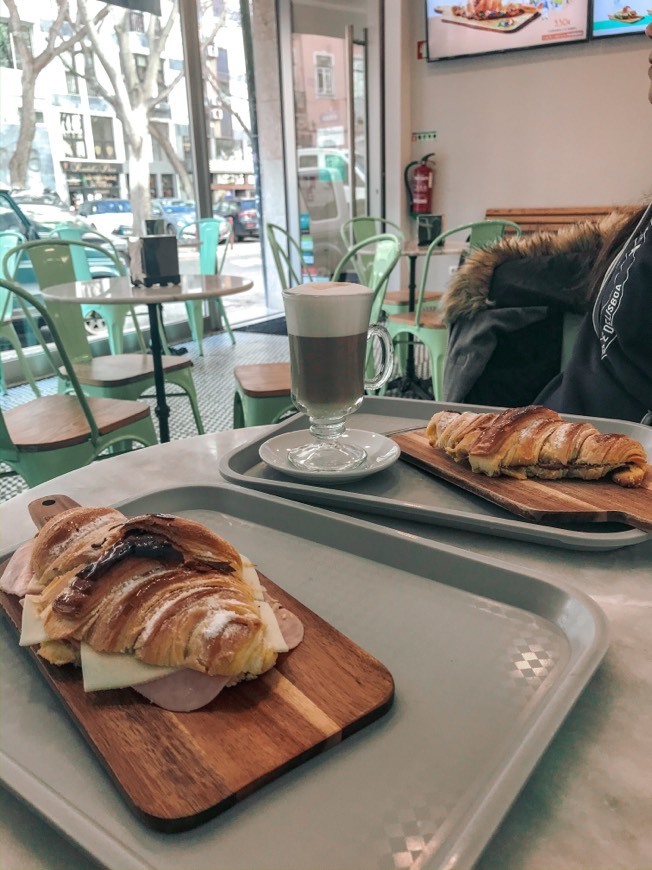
[566, 125]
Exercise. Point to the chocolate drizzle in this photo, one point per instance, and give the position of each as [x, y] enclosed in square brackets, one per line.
[136, 542]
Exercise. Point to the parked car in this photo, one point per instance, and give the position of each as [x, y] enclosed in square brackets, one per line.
[47, 209]
[175, 212]
[108, 216]
[336, 160]
[243, 214]
[12, 217]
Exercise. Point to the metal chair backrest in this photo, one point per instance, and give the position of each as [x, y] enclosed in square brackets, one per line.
[481, 234]
[8, 240]
[207, 230]
[10, 287]
[74, 233]
[284, 249]
[53, 264]
[382, 253]
[358, 229]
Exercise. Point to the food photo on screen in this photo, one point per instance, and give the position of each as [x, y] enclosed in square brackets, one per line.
[616, 18]
[487, 26]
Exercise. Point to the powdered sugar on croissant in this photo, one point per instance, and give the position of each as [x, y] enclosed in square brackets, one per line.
[536, 442]
[164, 589]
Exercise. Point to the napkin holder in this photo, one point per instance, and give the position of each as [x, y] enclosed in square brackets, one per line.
[154, 260]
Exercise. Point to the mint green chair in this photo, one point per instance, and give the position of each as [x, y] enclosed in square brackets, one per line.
[284, 250]
[358, 229]
[114, 316]
[121, 376]
[262, 394]
[424, 324]
[52, 435]
[381, 253]
[8, 240]
[211, 261]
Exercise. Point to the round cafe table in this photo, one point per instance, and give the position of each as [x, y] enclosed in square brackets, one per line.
[120, 291]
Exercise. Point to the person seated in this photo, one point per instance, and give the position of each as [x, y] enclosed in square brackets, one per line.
[504, 321]
[609, 373]
[505, 311]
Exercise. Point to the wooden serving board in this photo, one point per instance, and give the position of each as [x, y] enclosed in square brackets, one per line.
[544, 501]
[176, 770]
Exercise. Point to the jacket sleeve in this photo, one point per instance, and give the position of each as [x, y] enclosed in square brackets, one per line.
[622, 319]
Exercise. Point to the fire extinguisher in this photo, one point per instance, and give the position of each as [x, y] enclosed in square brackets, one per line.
[419, 187]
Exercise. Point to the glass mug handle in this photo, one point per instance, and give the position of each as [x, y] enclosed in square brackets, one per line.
[383, 375]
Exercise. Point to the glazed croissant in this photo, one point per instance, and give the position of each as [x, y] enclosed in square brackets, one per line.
[536, 442]
[164, 589]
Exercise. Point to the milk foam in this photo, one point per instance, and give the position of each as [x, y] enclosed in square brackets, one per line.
[327, 309]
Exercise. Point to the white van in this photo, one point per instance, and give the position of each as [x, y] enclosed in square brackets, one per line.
[337, 160]
[322, 209]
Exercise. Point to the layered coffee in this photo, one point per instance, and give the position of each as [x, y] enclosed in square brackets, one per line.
[328, 373]
[327, 331]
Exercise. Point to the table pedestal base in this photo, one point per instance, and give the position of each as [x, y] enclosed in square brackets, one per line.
[162, 408]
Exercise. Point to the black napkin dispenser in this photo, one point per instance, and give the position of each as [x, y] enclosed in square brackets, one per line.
[154, 260]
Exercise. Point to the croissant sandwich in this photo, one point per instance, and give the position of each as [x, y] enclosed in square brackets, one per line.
[159, 601]
[536, 442]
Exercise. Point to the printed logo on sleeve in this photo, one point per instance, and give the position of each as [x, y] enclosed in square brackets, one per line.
[610, 308]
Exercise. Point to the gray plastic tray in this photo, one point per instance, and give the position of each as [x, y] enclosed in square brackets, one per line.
[487, 661]
[405, 492]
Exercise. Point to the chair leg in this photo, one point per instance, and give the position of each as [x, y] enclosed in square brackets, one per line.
[8, 332]
[195, 313]
[238, 411]
[139, 334]
[183, 379]
[225, 319]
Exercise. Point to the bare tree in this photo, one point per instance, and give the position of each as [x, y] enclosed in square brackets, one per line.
[134, 89]
[185, 180]
[217, 92]
[32, 66]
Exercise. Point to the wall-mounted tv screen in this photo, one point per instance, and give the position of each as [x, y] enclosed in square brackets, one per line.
[488, 26]
[615, 18]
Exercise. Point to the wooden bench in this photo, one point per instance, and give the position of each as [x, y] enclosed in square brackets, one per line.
[534, 220]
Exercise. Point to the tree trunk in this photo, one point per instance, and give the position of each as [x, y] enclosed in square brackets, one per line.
[139, 194]
[177, 164]
[19, 161]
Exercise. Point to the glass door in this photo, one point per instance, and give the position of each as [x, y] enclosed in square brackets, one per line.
[327, 147]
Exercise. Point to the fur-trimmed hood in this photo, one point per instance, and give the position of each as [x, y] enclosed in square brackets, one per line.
[469, 290]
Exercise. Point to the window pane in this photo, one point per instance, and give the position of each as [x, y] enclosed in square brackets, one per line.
[6, 54]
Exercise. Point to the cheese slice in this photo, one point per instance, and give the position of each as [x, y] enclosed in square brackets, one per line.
[273, 633]
[32, 629]
[251, 578]
[116, 670]
[103, 671]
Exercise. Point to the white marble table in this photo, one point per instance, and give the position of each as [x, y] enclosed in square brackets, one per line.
[588, 804]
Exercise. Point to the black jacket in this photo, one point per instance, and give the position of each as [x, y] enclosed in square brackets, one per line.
[505, 311]
[609, 373]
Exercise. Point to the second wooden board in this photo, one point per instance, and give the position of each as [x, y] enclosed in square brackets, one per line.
[548, 501]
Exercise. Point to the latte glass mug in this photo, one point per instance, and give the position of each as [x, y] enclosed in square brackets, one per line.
[329, 332]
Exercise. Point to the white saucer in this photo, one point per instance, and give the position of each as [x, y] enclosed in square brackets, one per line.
[381, 453]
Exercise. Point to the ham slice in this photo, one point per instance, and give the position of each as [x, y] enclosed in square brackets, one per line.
[183, 691]
[291, 627]
[17, 575]
[188, 690]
